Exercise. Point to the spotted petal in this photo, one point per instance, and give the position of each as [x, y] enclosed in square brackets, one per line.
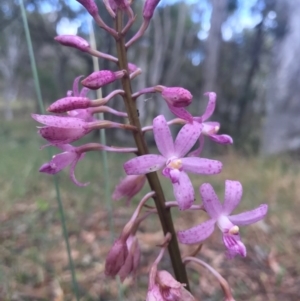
[163, 136]
[186, 138]
[144, 164]
[233, 195]
[181, 113]
[58, 162]
[61, 135]
[197, 233]
[201, 166]
[210, 201]
[59, 122]
[184, 191]
[249, 217]
[212, 99]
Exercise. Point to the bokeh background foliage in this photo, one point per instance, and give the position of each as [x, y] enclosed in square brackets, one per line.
[246, 51]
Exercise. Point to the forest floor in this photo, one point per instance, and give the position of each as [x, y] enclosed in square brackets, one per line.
[33, 258]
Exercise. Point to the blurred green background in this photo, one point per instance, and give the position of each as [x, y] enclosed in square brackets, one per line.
[247, 52]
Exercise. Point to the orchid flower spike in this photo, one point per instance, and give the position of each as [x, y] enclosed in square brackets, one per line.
[70, 156]
[128, 187]
[172, 160]
[163, 287]
[220, 215]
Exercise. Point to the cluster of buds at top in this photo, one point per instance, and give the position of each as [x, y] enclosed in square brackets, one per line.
[177, 158]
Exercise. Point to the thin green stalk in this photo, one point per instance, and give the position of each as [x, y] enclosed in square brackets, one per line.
[159, 198]
[107, 187]
[42, 109]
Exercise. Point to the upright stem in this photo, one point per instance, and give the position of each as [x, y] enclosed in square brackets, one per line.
[159, 198]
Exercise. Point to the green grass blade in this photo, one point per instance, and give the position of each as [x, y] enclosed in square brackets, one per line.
[42, 109]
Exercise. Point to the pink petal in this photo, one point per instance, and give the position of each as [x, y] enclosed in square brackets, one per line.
[233, 195]
[212, 124]
[197, 233]
[165, 279]
[116, 257]
[144, 164]
[128, 187]
[186, 138]
[234, 245]
[181, 113]
[84, 91]
[75, 85]
[61, 135]
[58, 162]
[59, 122]
[212, 99]
[201, 165]
[154, 294]
[163, 136]
[222, 139]
[66, 147]
[210, 200]
[84, 114]
[72, 174]
[175, 175]
[184, 192]
[127, 267]
[249, 217]
[198, 150]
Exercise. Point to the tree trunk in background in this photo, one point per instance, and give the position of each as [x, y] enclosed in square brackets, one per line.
[213, 47]
[282, 127]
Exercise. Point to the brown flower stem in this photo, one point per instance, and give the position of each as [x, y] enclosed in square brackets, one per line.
[159, 198]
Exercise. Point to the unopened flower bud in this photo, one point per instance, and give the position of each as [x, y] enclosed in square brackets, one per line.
[132, 260]
[116, 257]
[149, 8]
[90, 6]
[177, 96]
[101, 78]
[129, 187]
[73, 41]
[69, 103]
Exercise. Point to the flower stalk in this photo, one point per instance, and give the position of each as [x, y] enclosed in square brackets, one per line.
[159, 198]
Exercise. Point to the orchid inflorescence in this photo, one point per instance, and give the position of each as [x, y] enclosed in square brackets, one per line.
[75, 118]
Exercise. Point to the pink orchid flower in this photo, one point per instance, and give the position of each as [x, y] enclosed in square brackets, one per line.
[220, 215]
[61, 130]
[172, 160]
[70, 156]
[209, 129]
